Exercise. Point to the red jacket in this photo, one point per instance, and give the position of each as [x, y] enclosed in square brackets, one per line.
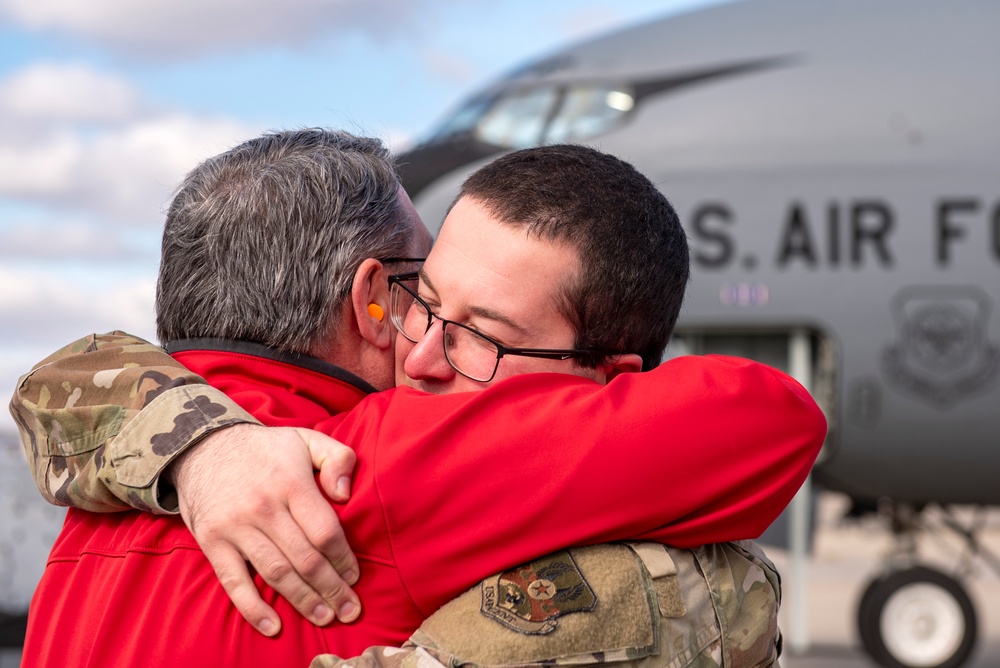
[448, 490]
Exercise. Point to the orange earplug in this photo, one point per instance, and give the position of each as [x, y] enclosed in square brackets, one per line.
[375, 311]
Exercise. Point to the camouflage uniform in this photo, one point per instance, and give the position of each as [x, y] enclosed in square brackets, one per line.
[76, 408]
[644, 605]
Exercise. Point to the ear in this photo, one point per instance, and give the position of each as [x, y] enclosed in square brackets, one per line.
[629, 363]
[371, 287]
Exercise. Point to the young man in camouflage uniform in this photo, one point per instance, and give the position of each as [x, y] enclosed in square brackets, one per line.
[657, 583]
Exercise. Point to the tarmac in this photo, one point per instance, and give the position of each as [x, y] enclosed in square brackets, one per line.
[845, 556]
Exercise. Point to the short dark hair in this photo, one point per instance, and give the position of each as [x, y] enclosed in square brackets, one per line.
[634, 264]
[261, 243]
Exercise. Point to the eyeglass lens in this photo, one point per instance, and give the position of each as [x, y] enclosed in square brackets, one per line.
[467, 351]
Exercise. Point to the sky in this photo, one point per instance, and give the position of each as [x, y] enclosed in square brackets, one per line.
[106, 104]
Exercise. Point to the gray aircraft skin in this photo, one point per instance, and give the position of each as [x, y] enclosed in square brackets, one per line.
[837, 168]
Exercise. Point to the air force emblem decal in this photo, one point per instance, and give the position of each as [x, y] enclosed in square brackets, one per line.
[943, 353]
[530, 598]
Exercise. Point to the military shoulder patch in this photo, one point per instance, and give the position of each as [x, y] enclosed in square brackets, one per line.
[528, 599]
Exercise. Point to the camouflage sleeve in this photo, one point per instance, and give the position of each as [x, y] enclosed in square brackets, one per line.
[102, 418]
[407, 656]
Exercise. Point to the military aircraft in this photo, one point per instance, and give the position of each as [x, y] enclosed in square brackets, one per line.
[837, 168]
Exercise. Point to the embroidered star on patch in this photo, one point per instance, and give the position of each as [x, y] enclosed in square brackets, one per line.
[530, 598]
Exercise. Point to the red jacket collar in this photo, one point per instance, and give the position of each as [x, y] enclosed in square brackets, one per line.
[281, 389]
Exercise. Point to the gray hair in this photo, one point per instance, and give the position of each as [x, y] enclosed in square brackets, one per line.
[261, 243]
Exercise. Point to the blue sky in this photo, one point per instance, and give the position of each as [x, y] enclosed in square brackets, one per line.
[105, 104]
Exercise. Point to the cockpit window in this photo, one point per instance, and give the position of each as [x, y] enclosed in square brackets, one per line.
[518, 119]
[588, 111]
[545, 114]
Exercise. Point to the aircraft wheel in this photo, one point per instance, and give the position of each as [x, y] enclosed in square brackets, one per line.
[917, 618]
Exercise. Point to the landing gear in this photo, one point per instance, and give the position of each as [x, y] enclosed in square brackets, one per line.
[912, 616]
[917, 618]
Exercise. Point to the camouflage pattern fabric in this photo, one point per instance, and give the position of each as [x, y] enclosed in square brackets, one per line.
[76, 412]
[711, 607]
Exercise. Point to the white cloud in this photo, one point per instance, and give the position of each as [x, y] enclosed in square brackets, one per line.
[42, 168]
[47, 92]
[124, 168]
[48, 307]
[127, 172]
[130, 173]
[43, 308]
[53, 238]
[184, 28]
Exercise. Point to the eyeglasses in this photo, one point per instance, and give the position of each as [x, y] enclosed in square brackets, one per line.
[470, 353]
[387, 260]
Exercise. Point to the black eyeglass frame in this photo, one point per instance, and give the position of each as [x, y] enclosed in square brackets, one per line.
[502, 350]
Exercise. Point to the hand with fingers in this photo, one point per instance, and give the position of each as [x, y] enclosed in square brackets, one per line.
[248, 494]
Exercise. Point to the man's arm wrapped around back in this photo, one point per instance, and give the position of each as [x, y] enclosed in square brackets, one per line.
[78, 411]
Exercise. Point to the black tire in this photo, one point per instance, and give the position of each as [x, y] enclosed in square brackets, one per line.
[917, 618]
[867, 621]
